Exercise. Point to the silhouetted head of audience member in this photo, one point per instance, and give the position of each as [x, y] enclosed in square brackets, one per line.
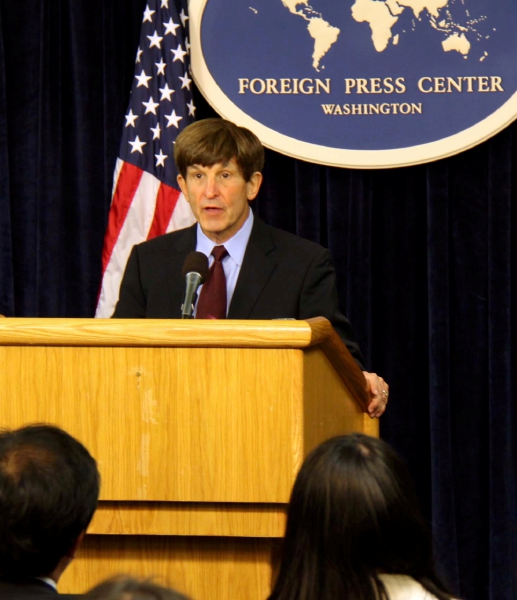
[353, 516]
[49, 487]
[124, 587]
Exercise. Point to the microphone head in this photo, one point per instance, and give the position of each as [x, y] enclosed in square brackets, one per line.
[196, 262]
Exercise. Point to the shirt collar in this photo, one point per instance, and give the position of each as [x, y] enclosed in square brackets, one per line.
[235, 246]
[48, 581]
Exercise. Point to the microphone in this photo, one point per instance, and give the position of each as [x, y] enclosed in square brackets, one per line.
[195, 271]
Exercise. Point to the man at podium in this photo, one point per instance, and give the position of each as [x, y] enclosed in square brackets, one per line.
[256, 271]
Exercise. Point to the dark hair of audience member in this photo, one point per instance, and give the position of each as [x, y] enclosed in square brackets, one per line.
[49, 487]
[212, 141]
[123, 587]
[353, 515]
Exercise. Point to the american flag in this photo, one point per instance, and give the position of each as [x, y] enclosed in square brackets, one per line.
[146, 199]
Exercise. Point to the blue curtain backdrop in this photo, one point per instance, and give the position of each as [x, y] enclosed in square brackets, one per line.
[424, 256]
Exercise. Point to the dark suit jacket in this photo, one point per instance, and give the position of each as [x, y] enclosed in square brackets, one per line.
[31, 589]
[282, 276]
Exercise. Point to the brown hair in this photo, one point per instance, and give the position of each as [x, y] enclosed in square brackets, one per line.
[212, 141]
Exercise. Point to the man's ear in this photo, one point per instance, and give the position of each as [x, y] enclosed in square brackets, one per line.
[183, 185]
[253, 185]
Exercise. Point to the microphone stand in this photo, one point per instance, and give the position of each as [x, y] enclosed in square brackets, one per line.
[193, 281]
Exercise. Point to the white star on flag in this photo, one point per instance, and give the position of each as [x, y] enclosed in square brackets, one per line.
[155, 40]
[160, 159]
[185, 81]
[179, 53]
[173, 119]
[142, 79]
[160, 67]
[151, 106]
[191, 108]
[183, 17]
[157, 131]
[148, 13]
[165, 4]
[170, 27]
[138, 54]
[131, 118]
[137, 145]
[166, 92]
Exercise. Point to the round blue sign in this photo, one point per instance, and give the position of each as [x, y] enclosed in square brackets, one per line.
[363, 83]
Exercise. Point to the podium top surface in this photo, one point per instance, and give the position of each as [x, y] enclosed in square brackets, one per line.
[165, 332]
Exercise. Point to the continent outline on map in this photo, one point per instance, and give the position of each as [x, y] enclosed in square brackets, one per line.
[322, 32]
[382, 16]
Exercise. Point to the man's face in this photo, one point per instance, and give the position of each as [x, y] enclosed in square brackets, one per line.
[218, 196]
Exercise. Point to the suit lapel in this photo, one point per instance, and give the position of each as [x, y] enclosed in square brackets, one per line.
[257, 266]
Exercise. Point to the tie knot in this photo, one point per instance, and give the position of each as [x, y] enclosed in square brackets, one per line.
[219, 252]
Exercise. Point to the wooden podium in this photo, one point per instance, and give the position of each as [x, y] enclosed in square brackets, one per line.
[199, 429]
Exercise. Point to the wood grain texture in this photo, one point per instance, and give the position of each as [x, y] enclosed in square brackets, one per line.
[176, 424]
[185, 518]
[205, 569]
[329, 407]
[155, 332]
[166, 424]
[340, 358]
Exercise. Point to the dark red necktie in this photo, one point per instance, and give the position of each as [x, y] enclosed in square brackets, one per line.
[212, 299]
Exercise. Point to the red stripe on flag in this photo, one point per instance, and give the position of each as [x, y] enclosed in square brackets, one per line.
[127, 184]
[166, 200]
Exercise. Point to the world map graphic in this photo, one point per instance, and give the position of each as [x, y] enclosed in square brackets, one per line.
[383, 15]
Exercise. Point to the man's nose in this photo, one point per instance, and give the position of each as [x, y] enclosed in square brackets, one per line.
[211, 189]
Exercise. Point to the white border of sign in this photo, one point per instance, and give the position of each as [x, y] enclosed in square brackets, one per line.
[337, 157]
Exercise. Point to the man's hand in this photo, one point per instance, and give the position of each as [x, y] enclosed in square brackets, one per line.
[378, 392]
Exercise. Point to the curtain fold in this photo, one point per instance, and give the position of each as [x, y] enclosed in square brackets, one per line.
[424, 256]
[501, 419]
[6, 240]
[439, 286]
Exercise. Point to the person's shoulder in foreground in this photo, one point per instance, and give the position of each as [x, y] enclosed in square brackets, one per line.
[30, 589]
[281, 276]
[354, 528]
[49, 488]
